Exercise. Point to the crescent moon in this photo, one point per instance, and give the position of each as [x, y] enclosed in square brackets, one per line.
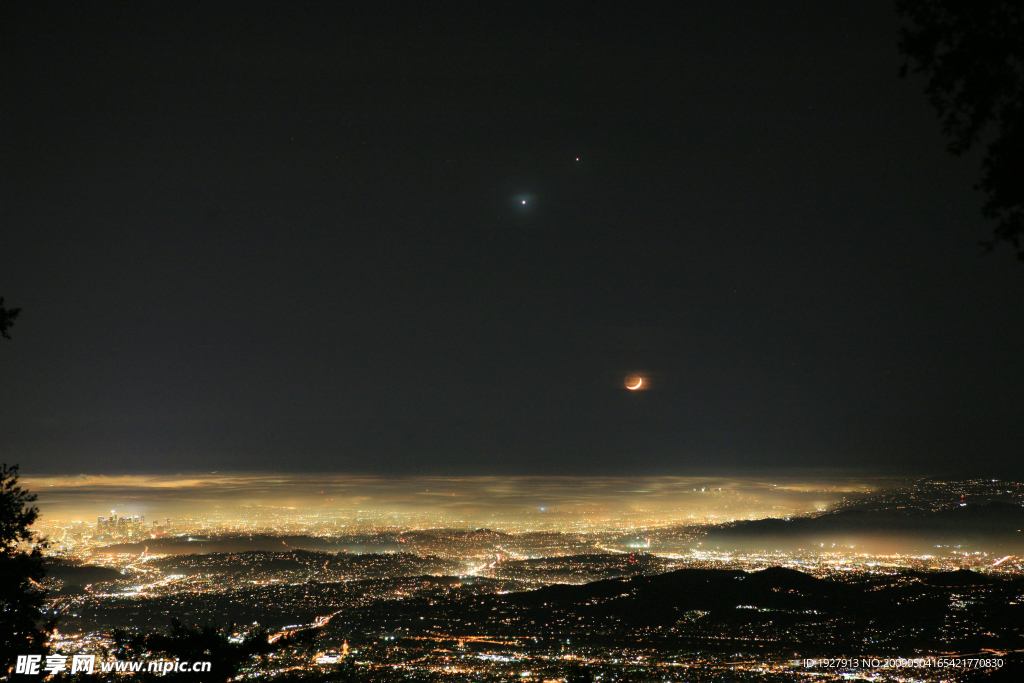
[639, 381]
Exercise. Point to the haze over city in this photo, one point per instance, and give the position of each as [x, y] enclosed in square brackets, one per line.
[473, 497]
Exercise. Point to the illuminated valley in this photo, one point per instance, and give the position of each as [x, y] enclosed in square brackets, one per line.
[593, 588]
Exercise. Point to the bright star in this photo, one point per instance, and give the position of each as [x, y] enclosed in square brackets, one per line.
[523, 201]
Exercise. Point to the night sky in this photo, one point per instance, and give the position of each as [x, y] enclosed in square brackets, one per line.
[292, 236]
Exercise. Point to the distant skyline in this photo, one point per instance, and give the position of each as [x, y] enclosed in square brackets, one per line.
[294, 238]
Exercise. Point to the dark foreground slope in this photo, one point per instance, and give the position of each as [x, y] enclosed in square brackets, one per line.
[774, 610]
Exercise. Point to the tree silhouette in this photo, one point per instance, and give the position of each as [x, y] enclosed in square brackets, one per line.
[23, 629]
[206, 643]
[7, 316]
[972, 53]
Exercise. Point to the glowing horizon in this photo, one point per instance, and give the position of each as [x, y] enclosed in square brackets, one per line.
[84, 496]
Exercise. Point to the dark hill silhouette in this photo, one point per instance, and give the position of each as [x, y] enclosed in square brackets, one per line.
[189, 545]
[783, 577]
[486, 533]
[717, 609]
[992, 526]
[960, 577]
[79, 574]
[663, 595]
[75, 576]
[693, 603]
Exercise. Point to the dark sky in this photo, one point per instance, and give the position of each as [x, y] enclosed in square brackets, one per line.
[291, 236]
